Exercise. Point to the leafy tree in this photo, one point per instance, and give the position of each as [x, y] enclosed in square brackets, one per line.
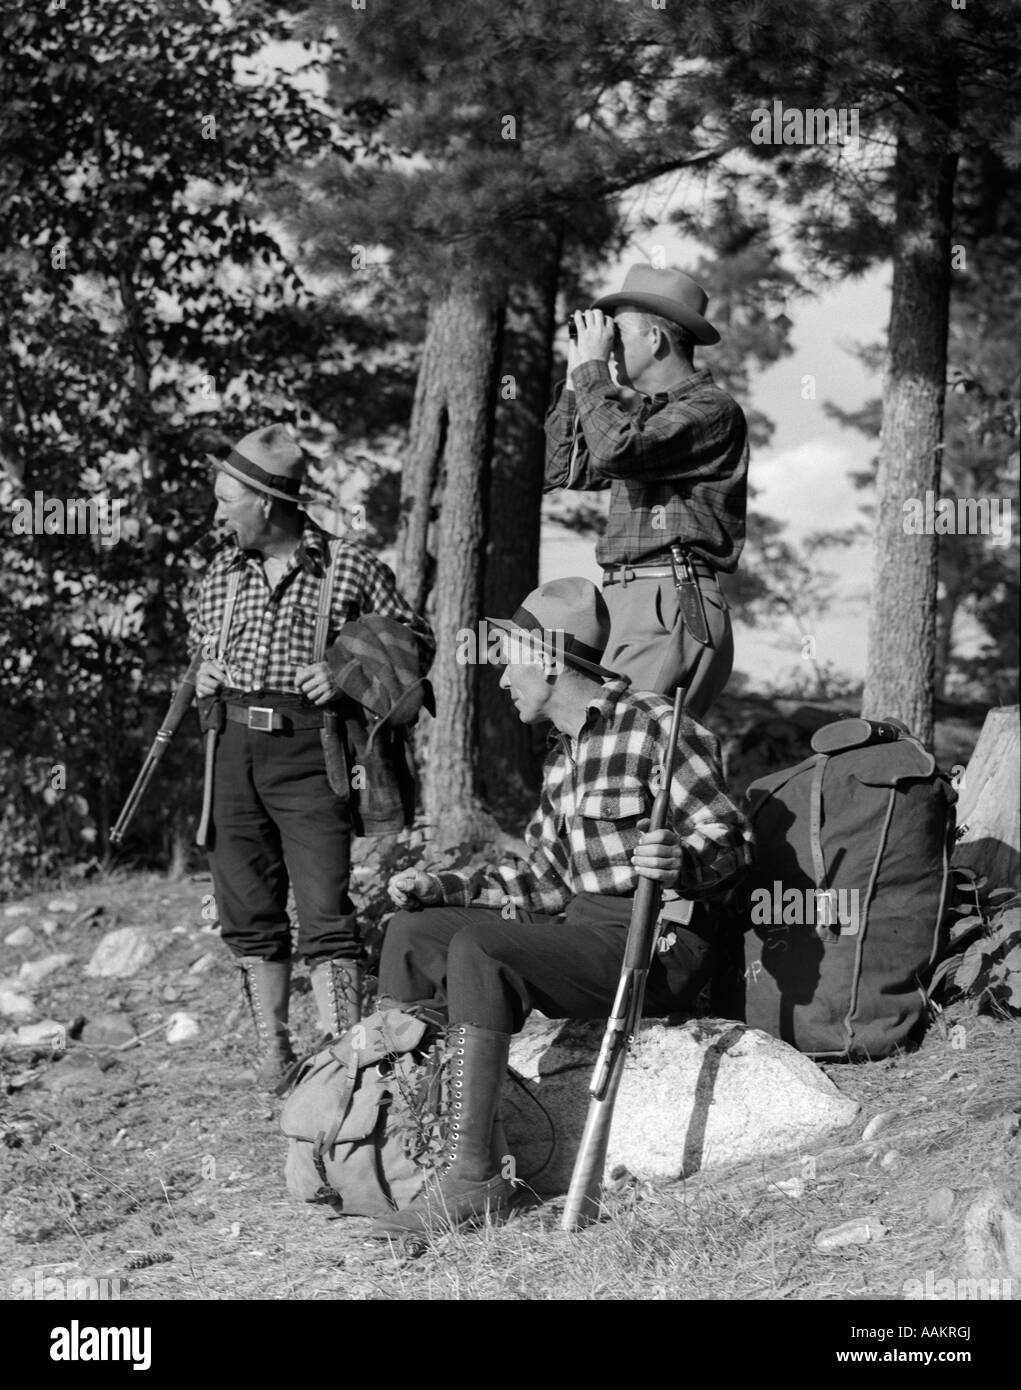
[150, 316]
[506, 139]
[927, 84]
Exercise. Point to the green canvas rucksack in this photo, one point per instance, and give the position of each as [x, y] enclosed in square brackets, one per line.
[842, 913]
[364, 1118]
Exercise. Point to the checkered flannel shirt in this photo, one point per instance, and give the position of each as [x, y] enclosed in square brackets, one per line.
[273, 631]
[595, 790]
[677, 468]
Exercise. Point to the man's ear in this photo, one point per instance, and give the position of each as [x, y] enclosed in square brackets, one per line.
[662, 347]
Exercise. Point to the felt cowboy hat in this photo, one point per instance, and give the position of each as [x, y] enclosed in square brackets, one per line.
[269, 460]
[568, 618]
[669, 293]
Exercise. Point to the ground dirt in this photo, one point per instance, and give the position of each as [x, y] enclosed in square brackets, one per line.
[158, 1166]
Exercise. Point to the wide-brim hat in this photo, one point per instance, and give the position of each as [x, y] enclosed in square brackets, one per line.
[667, 292]
[568, 619]
[269, 460]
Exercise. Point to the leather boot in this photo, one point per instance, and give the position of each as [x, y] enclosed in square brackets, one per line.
[468, 1186]
[337, 989]
[267, 985]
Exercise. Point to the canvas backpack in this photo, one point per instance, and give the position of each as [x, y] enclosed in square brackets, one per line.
[363, 1120]
[843, 913]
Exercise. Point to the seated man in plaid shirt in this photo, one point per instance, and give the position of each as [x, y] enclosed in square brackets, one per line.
[277, 817]
[549, 932]
[672, 447]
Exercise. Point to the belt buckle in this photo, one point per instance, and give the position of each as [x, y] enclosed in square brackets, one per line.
[260, 718]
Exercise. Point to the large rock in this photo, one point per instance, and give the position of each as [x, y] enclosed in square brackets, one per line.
[693, 1096]
[123, 953]
[992, 1235]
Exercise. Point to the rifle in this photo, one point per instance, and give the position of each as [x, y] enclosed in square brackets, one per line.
[183, 696]
[582, 1206]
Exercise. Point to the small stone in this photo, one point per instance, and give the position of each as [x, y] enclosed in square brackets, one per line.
[861, 1231]
[33, 972]
[950, 1075]
[939, 1205]
[170, 994]
[790, 1187]
[123, 953]
[17, 910]
[889, 1160]
[109, 1029]
[202, 964]
[21, 936]
[14, 1004]
[48, 926]
[181, 1027]
[877, 1123]
[48, 1033]
[62, 905]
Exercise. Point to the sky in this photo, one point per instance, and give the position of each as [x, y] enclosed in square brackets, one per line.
[803, 477]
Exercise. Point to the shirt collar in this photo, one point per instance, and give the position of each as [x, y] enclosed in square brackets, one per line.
[310, 554]
[703, 377]
[601, 706]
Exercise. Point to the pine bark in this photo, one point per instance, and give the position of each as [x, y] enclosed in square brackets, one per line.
[443, 533]
[902, 621]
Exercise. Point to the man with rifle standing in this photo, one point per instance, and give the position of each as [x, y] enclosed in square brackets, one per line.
[269, 604]
[672, 448]
[549, 932]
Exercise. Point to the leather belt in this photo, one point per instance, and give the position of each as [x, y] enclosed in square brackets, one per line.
[268, 720]
[611, 573]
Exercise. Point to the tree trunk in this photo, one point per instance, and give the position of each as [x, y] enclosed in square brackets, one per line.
[512, 752]
[451, 435]
[902, 620]
[989, 809]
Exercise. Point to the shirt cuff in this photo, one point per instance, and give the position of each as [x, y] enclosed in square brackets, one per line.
[592, 374]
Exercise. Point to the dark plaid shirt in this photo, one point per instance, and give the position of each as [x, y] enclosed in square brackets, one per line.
[272, 631]
[677, 467]
[595, 790]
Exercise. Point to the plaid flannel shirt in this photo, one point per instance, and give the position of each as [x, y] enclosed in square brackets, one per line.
[677, 467]
[595, 790]
[273, 631]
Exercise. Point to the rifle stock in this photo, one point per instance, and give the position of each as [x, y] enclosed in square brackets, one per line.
[583, 1197]
[179, 705]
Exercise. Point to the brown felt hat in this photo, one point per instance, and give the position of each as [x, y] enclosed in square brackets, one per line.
[269, 460]
[569, 618]
[667, 292]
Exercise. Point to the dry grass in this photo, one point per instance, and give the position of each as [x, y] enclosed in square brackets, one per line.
[158, 1166]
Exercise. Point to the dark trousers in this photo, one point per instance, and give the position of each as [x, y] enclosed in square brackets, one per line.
[276, 821]
[649, 643]
[491, 972]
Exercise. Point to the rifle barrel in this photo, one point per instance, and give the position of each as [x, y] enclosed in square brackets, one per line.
[582, 1205]
[183, 696]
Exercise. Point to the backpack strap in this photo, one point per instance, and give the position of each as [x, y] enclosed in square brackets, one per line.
[815, 821]
[325, 603]
[233, 584]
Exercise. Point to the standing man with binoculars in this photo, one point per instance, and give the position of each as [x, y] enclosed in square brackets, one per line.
[672, 447]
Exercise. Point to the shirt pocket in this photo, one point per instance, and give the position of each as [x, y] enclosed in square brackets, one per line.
[621, 802]
[301, 622]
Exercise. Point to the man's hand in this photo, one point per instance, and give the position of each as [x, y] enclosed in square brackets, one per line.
[595, 337]
[210, 677]
[316, 683]
[412, 888]
[658, 855]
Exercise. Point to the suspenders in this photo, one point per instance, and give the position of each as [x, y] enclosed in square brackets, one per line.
[322, 628]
